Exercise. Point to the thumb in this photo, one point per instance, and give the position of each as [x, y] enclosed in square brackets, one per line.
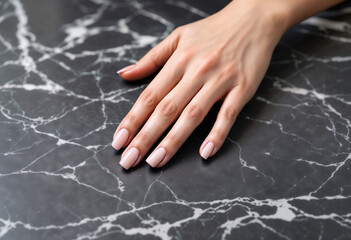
[153, 60]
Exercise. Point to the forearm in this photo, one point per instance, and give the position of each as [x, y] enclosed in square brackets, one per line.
[299, 10]
[284, 14]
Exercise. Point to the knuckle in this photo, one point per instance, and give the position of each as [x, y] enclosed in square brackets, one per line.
[168, 109]
[130, 120]
[172, 140]
[245, 82]
[178, 30]
[157, 59]
[230, 70]
[183, 57]
[148, 98]
[207, 63]
[247, 87]
[218, 136]
[185, 30]
[227, 76]
[251, 90]
[194, 112]
[143, 139]
[230, 113]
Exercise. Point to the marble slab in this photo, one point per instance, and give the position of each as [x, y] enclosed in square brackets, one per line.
[284, 172]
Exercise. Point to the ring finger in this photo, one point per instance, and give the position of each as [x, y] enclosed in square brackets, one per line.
[190, 118]
[166, 112]
[146, 103]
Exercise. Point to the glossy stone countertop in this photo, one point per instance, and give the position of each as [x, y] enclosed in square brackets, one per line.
[283, 172]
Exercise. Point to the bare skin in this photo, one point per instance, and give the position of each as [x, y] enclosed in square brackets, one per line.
[220, 58]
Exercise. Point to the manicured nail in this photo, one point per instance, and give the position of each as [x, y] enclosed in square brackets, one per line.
[206, 152]
[120, 139]
[129, 158]
[156, 157]
[126, 69]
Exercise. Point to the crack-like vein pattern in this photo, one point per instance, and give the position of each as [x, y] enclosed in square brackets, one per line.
[283, 172]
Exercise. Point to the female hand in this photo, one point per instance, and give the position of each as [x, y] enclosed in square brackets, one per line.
[222, 57]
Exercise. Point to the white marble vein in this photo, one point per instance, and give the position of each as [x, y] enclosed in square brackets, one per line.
[139, 218]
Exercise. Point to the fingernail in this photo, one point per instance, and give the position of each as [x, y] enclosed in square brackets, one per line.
[129, 158]
[120, 139]
[125, 69]
[156, 157]
[206, 152]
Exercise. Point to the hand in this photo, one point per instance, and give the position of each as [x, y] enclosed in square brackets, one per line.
[222, 57]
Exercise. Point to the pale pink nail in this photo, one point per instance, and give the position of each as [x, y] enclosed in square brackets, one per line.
[126, 69]
[129, 158]
[206, 152]
[120, 139]
[156, 157]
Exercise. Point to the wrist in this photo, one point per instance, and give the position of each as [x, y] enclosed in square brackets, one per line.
[284, 14]
[273, 15]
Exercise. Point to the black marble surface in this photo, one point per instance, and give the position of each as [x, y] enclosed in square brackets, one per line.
[283, 172]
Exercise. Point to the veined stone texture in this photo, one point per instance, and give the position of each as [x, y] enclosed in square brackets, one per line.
[282, 173]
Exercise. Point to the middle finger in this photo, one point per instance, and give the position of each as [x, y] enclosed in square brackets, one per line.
[146, 103]
[164, 115]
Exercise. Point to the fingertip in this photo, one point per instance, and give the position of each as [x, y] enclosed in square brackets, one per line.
[134, 73]
[207, 150]
[129, 76]
[129, 157]
[130, 73]
[125, 69]
[120, 138]
[164, 161]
